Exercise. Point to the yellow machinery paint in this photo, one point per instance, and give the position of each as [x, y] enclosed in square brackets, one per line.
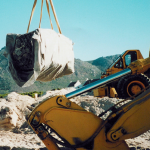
[135, 85]
[82, 130]
[105, 91]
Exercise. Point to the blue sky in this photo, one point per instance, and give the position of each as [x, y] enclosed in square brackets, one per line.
[97, 27]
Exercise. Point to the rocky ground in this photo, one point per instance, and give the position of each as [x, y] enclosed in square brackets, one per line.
[17, 135]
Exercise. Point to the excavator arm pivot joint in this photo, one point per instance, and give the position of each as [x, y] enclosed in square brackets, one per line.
[117, 134]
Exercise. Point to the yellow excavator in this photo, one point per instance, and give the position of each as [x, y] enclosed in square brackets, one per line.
[81, 130]
[126, 86]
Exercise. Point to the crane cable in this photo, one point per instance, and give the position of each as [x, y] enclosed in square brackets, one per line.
[33, 8]
[54, 13]
[49, 14]
[41, 14]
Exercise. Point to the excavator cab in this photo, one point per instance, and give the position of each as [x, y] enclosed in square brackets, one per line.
[123, 61]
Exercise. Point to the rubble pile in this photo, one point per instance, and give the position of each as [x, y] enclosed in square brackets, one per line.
[16, 134]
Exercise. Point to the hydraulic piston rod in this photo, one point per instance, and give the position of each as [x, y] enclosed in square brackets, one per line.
[99, 83]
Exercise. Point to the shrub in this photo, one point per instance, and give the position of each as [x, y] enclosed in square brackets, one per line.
[3, 95]
[32, 93]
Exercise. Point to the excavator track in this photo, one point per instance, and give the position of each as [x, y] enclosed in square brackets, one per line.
[130, 85]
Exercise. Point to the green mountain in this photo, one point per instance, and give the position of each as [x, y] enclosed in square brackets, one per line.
[83, 70]
[103, 63]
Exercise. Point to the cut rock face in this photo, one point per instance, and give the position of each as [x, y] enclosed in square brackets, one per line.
[8, 118]
[13, 110]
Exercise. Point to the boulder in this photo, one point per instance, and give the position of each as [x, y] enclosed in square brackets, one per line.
[13, 110]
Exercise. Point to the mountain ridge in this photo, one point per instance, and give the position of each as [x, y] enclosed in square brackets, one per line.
[83, 70]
